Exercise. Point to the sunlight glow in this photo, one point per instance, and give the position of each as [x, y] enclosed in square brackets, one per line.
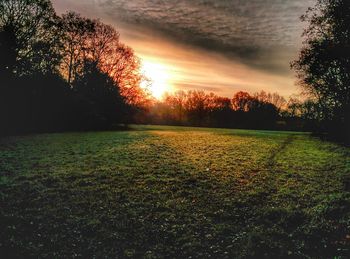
[159, 78]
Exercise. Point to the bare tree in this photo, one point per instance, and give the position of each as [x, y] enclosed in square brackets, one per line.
[93, 41]
[240, 101]
[76, 32]
[177, 102]
[273, 98]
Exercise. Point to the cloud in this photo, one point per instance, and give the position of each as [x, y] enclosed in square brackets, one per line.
[262, 34]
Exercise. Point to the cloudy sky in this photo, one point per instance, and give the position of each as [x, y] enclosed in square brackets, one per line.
[215, 45]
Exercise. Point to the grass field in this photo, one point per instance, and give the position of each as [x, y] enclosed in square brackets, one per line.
[165, 192]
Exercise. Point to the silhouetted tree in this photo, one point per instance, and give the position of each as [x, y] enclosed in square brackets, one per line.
[220, 111]
[197, 106]
[240, 101]
[30, 55]
[103, 104]
[125, 69]
[176, 103]
[324, 63]
[29, 37]
[87, 39]
[76, 31]
[7, 53]
[273, 98]
[293, 107]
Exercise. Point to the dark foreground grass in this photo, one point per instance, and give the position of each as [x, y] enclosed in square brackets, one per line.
[167, 192]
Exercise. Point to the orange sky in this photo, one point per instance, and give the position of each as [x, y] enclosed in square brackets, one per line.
[179, 54]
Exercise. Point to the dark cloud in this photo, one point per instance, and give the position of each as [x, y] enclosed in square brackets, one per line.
[263, 34]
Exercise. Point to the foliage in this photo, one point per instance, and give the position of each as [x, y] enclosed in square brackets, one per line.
[170, 192]
[104, 104]
[324, 63]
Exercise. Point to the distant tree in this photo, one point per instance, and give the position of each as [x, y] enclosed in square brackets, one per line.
[279, 101]
[293, 107]
[255, 111]
[176, 102]
[197, 107]
[219, 103]
[241, 100]
[323, 66]
[220, 111]
[194, 108]
[265, 109]
[273, 98]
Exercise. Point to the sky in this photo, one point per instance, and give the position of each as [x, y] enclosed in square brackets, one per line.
[220, 46]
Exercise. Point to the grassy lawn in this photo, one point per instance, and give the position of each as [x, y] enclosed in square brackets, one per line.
[165, 192]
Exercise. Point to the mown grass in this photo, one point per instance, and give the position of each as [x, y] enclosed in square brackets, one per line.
[172, 192]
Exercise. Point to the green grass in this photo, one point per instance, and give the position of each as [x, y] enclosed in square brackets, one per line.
[165, 192]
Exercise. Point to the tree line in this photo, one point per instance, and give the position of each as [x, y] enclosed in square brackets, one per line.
[261, 110]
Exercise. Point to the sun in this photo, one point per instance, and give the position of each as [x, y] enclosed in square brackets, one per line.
[159, 78]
